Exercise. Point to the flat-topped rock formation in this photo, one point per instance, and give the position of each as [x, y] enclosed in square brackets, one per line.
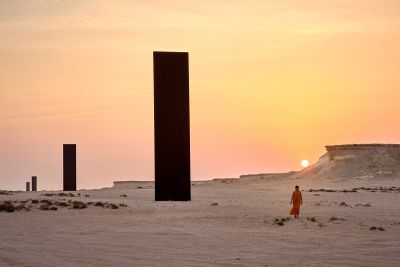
[360, 146]
[360, 161]
[337, 152]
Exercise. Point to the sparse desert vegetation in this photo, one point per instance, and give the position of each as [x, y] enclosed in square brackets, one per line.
[333, 218]
[99, 204]
[363, 205]
[78, 205]
[109, 205]
[375, 228]
[44, 207]
[61, 204]
[113, 206]
[22, 207]
[281, 221]
[47, 204]
[322, 190]
[6, 193]
[7, 206]
[311, 219]
[61, 194]
[46, 201]
[390, 189]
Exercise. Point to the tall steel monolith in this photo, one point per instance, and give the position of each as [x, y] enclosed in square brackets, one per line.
[171, 126]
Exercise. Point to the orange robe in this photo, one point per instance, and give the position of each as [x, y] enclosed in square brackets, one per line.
[296, 203]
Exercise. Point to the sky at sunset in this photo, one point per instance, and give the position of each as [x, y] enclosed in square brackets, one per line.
[271, 83]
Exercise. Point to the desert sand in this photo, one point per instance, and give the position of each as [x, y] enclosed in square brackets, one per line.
[239, 230]
[353, 221]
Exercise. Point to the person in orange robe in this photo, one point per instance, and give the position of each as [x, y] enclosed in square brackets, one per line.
[297, 200]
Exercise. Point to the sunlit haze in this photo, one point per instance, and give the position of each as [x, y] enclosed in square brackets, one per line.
[304, 163]
[271, 83]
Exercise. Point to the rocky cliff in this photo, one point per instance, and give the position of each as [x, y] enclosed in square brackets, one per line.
[358, 161]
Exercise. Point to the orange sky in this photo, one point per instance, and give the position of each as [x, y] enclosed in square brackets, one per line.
[271, 83]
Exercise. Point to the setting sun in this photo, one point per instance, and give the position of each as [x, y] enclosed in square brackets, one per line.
[304, 163]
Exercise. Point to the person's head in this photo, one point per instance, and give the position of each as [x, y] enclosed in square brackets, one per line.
[297, 188]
